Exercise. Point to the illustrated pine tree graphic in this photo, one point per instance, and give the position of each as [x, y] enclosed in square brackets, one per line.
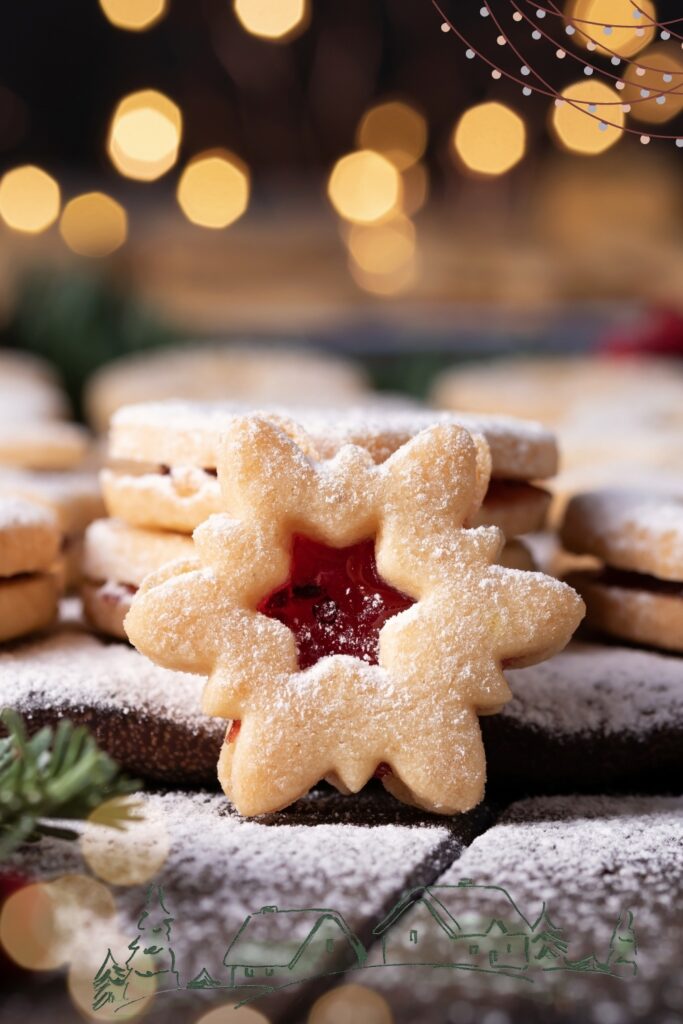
[623, 947]
[547, 942]
[152, 963]
[109, 982]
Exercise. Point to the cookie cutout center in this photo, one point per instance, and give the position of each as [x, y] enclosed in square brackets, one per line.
[335, 601]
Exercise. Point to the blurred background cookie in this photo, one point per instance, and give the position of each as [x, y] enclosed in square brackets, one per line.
[638, 595]
[281, 374]
[29, 548]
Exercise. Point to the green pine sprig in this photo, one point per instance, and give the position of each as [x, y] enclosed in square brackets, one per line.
[55, 774]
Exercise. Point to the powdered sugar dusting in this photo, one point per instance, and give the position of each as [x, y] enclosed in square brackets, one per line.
[599, 689]
[629, 529]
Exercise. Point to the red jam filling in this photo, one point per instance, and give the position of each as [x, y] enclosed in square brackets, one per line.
[335, 601]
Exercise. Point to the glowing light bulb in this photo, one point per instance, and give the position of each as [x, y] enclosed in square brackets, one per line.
[277, 20]
[396, 130]
[134, 15]
[144, 135]
[29, 199]
[590, 119]
[94, 224]
[364, 187]
[490, 139]
[213, 190]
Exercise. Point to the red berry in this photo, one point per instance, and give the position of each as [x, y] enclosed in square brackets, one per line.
[335, 601]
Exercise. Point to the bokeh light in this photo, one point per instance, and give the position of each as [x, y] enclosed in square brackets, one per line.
[144, 135]
[231, 1014]
[29, 199]
[139, 991]
[349, 1004]
[94, 224]
[134, 15]
[364, 187]
[129, 855]
[578, 125]
[25, 933]
[382, 248]
[396, 130]
[277, 20]
[213, 190]
[415, 185]
[628, 30]
[490, 139]
[654, 64]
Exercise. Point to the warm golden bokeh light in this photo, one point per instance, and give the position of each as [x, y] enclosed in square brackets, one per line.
[29, 199]
[415, 183]
[140, 992]
[665, 60]
[364, 187]
[628, 31]
[396, 130]
[213, 190]
[382, 248]
[26, 928]
[577, 124]
[94, 224]
[46, 925]
[277, 20]
[230, 1014]
[351, 1003]
[144, 135]
[129, 855]
[134, 15]
[490, 139]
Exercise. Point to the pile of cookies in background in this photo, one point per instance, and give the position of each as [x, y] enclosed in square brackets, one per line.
[69, 527]
[91, 516]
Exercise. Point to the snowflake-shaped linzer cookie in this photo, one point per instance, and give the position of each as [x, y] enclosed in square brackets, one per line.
[349, 623]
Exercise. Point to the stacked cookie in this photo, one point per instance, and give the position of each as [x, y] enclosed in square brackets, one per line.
[165, 454]
[618, 420]
[29, 548]
[638, 593]
[42, 456]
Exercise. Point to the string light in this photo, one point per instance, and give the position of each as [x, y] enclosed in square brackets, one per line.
[134, 15]
[657, 79]
[588, 118]
[29, 199]
[609, 26]
[396, 130]
[490, 139]
[584, 25]
[144, 135]
[213, 190]
[276, 20]
[94, 224]
[364, 187]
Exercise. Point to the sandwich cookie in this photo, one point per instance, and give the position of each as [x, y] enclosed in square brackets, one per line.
[638, 595]
[29, 547]
[165, 456]
[76, 500]
[116, 560]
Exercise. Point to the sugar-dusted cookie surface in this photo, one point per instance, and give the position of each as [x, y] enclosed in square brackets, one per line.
[147, 718]
[42, 444]
[188, 433]
[628, 529]
[29, 537]
[596, 718]
[116, 559]
[386, 674]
